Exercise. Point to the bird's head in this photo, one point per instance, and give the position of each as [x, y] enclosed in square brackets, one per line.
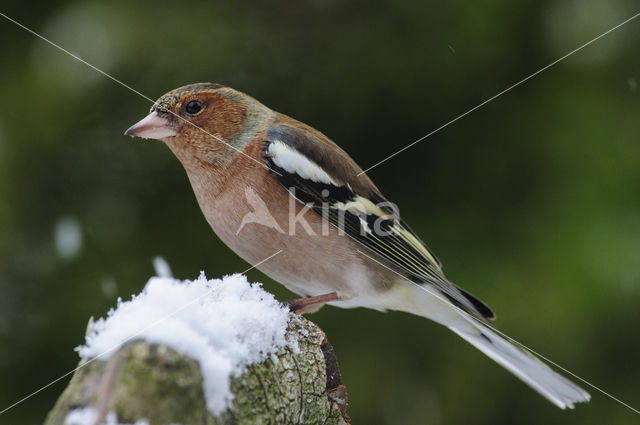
[206, 121]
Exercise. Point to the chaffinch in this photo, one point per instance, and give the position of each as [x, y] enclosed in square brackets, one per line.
[266, 182]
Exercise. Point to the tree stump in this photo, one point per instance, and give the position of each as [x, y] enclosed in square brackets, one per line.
[154, 383]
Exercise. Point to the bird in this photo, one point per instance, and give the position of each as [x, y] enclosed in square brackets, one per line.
[339, 240]
[260, 212]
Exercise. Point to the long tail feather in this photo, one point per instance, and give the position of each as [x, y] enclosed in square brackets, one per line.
[551, 385]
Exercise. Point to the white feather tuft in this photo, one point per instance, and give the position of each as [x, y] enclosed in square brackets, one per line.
[292, 161]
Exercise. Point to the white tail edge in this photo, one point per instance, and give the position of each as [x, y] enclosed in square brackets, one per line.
[551, 385]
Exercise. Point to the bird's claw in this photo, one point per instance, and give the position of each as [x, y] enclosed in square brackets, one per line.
[302, 305]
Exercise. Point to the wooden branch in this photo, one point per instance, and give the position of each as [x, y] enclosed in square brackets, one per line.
[158, 384]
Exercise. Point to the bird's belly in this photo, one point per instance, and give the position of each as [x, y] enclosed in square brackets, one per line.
[309, 256]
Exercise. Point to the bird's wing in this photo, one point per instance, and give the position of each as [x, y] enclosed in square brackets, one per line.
[318, 173]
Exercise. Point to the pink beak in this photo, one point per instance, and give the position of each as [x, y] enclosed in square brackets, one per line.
[153, 126]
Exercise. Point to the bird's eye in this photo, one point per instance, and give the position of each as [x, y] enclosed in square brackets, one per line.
[193, 107]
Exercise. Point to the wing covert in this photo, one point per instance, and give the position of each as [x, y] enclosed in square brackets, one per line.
[304, 166]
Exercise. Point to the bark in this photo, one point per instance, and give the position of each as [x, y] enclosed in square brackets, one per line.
[156, 383]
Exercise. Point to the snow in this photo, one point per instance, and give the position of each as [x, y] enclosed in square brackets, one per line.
[225, 324]
[84, 416]
[89, 415]
[161, 267]
[109, 286]
[68, 238]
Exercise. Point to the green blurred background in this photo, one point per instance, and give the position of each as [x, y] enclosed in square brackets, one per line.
[532, 202]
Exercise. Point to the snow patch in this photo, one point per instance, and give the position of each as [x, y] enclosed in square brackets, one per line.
[109, 286]
[89, 415]
[68, 237]
[161, 267]
[225, 324]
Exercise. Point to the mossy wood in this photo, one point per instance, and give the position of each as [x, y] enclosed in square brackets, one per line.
[156, 383]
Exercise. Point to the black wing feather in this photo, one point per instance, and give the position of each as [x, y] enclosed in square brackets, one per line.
[389, 237]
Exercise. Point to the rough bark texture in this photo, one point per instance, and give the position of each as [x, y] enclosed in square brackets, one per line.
[154, 382]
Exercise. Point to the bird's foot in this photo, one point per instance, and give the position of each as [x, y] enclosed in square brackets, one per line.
[310, 304]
